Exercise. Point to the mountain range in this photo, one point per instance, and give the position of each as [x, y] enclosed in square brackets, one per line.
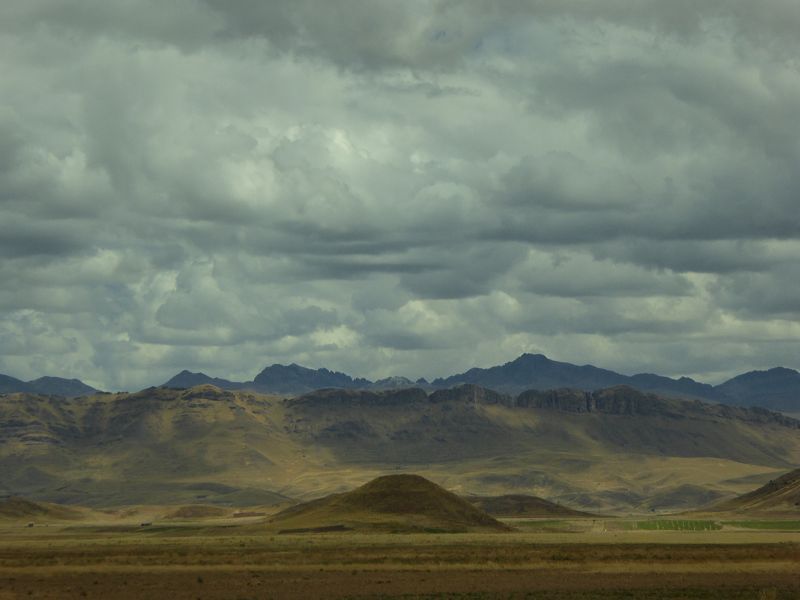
[614, 449]
[775, 389]
[291, 379]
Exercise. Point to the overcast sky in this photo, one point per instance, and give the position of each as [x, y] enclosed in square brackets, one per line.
[397, 188]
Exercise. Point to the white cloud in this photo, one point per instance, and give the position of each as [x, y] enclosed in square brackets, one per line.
[416, 188]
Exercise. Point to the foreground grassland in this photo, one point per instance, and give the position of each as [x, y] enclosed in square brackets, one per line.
[223, 560]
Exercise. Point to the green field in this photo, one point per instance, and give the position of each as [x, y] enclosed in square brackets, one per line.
[672, 525]
[776, 525]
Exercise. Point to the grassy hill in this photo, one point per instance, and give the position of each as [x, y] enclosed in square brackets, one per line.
[393, 502]
[18, 509]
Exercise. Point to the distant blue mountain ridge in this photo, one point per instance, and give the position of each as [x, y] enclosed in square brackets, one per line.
[775, 389]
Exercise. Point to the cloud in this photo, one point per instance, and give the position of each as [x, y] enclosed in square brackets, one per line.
[385, 188]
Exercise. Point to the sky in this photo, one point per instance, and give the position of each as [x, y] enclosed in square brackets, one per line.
[397, 188]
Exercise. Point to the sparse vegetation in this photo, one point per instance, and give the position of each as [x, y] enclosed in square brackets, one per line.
[672, 525]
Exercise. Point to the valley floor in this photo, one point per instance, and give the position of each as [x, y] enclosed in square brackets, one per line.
[242, 562]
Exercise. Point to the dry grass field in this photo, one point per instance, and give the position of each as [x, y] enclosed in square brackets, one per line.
[225, 558]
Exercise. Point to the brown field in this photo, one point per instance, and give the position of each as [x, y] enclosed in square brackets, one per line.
[228, 559]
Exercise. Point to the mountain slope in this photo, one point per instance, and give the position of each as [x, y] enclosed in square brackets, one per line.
[555, 444]
[408, 426]
[779, 495]
[775, 389]
[58, 386]
[681, 387]
[608, 450]
[10, 385]
[155, 446]
[522, 505]
[393, 502]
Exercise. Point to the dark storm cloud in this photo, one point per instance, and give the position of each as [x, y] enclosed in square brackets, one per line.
[27, 239]
[774, 292]
[699, 256]
[397, 187]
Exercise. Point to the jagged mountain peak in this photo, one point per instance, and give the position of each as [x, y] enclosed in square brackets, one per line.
[294, 378]
[188, 379]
